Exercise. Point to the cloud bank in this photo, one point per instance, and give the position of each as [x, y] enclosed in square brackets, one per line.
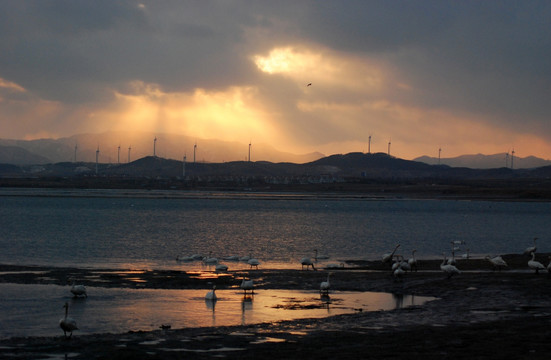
[467, 77]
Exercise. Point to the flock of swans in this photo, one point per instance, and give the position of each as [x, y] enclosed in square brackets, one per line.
[219, 267]
[400, 265]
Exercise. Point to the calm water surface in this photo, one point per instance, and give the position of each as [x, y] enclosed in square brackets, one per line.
[136, 230]
[122, 310]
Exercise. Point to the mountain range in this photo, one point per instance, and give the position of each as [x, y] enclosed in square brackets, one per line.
[124, 147]
[351, 167]
[480, 161]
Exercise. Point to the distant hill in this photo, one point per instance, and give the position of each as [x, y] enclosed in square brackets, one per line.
[20, 156]
[480, 161]
[118, 147]
[340, 167]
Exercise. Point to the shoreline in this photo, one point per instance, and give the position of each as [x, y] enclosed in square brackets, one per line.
[380, 192]
[477, 314]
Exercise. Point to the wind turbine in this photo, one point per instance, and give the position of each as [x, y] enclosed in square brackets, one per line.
[184, 167]
[97, 157]
[249, 151]
[507, 159]
[154, 146]
[389, 142]
[512, 157]
[369, 145]
[439, 152]
[119, 155]
[129, 148]
[194, 150]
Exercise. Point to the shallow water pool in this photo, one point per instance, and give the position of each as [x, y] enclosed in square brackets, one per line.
[35, 310]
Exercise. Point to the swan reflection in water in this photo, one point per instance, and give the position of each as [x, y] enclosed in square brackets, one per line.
[211, 305]
[325, 300]
[402, 300]
[246, 305]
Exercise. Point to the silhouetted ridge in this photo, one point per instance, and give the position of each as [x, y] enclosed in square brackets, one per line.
[376, 160]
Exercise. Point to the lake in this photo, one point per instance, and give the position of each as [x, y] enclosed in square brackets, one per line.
[143, 229]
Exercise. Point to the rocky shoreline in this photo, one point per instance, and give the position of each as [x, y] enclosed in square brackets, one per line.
[479, 314]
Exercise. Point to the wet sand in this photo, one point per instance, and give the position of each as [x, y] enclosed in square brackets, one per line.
[478, 314]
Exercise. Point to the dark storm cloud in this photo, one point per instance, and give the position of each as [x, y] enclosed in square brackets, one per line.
[483, 57]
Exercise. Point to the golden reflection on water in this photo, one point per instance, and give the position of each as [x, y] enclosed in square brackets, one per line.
[120, 309]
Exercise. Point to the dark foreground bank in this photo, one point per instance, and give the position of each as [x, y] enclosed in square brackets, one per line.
[478, 314]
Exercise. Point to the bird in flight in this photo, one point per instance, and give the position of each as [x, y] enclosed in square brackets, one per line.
[309, 84]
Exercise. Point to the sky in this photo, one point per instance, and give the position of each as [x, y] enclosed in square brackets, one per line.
[465, 77]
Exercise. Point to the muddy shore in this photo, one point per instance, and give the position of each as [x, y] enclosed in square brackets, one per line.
[478, 314]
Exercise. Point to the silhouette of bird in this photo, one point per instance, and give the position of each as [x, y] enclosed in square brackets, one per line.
[531, 249]
[247, 285]
[388, 257]
[535, 265]
[67, 324]
[305, 261]
[450, 270]
[210, 260]
[322, 256]
[253, 262]
[78, 290]
[497, 262]
[399, 273]
[211, 294]
[309, 84]
[185, 258]
[325, 285]
[221, 267]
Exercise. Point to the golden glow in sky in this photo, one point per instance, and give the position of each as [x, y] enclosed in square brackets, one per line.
[229, 115]
[219, 70]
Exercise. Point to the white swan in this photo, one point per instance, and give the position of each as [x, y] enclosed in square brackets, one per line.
[450, 270]
[184, 258]
[245, 258]
[307, 262]
[211, 295]
[531, 249]
[396, 263]
[221, 267]
[247, 285]
[254, 262]
[404, 265]
[497, 262]
[210, 260]
[67, 324]
[399, 273]
[334, 266]
[535, 265]
[325, 285]
[388, 257]
[322, 256]
[467, 255]
[412, 262]
[78, 290]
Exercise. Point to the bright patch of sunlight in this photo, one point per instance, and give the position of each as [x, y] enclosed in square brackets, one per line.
[231, 114]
